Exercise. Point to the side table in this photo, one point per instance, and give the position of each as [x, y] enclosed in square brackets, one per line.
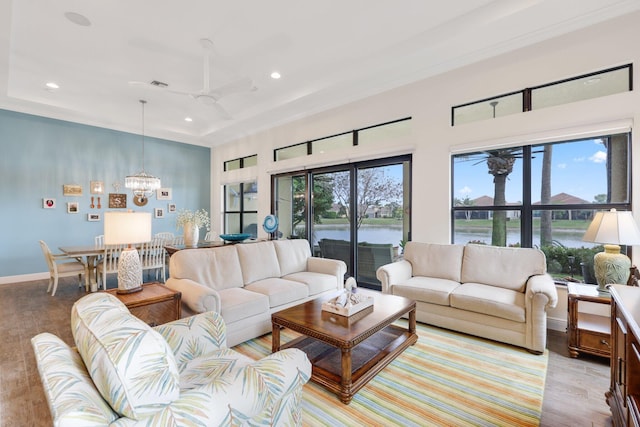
[588, 333]
[155, 304]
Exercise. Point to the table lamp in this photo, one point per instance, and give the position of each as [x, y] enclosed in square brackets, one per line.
[612, 229]
[128, 228]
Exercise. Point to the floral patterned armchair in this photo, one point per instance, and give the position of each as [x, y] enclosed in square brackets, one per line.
[125, 373]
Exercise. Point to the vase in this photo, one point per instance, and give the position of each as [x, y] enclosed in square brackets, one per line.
[191, 234]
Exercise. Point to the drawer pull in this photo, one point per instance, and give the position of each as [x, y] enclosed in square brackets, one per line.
[605, 343]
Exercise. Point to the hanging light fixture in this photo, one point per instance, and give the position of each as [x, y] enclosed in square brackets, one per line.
[142, 184]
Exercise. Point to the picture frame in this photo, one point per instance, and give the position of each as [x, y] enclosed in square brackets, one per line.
[159, 212]
[72, 190]
[163, 194]
[97, 187]
[92, 217]
[117, 200]
[171, 208]
[72, 207]
[48, 203]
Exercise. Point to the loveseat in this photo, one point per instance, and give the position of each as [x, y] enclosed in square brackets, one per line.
[492, 292]
[125, 373]
[246, 282]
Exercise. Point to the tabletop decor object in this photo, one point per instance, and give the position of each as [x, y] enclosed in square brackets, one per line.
[613, 228]
[191, 222]
[238, 237]
[128, 228]
[347, 303]
[270, 225]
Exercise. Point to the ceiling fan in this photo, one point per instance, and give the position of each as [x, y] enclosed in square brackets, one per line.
[207, 95]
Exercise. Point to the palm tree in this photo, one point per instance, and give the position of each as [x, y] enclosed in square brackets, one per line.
[545, 197]
[500, 164]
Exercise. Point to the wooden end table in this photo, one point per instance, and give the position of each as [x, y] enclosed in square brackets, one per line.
[347, 352]
[588, 333]
[155, 304]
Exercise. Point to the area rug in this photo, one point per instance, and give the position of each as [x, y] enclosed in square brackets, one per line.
[446, 379]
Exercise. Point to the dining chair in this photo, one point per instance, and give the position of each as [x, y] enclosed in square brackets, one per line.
[99, 240]
[109, 263]
[167, 236]
[62, 266]
[152, 257]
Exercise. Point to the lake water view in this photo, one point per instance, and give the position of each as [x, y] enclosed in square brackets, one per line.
[393, 234]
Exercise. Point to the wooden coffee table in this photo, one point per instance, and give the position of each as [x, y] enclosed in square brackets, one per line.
[347, 352]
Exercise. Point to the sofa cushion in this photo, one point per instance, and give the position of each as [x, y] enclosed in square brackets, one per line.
[258, 261]
[292, 255]
[426, 289]
[316, 282]
[131, 365]
[490, 300]
[503, 267]
[280, 291]
[434, 260]
[239, 303]
[218, 268]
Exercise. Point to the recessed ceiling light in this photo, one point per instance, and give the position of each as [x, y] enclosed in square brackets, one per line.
[275, 75]
[188, 119]
[77, 19]
[52, 85]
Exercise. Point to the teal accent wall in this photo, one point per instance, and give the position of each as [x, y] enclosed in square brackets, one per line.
[39, 155]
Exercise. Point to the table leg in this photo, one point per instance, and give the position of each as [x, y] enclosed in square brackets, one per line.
[275, 338]
[412, 321]
[91, 278]
[345, 381]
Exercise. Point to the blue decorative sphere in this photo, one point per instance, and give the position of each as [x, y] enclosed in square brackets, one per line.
[270, 224]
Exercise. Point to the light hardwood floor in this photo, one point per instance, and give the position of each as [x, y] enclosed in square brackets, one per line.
[574, 392]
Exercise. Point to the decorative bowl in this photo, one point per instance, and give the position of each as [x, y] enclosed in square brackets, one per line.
[235, 237]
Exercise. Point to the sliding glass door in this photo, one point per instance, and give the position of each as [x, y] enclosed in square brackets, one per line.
[367, 203]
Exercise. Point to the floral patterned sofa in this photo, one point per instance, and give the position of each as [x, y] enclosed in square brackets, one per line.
[125, 373]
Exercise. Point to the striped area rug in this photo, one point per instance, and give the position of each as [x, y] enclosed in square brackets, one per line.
[446, 379]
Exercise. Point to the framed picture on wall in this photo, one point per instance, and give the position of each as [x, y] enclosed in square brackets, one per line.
[159, 212]
[71, 190]
[72, 207]
[97, 187]
[48, 203]
[171, 207]
[93, 217]
[163, 194]
[117, 200]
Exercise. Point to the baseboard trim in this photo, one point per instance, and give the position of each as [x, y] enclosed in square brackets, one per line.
[557, 324]
[23, 278]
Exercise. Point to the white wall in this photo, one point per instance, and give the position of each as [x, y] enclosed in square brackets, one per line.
[432, 139]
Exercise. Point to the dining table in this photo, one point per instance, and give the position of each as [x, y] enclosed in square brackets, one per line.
[90, 253]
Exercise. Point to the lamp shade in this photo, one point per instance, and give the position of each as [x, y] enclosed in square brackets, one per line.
[126, 227]
[613, 227]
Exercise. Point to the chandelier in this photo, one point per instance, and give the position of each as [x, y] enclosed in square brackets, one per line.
[142, 184]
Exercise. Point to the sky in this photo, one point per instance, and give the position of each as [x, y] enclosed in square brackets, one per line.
[578, 169]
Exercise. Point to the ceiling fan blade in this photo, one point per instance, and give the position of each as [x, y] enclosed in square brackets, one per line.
[222, 112]
[241, 85]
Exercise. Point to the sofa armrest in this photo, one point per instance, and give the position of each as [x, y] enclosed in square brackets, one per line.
[396, 272]
[72, 396]
[194, 336]
[267, 392]
[198, 298]
[542, 284]
[330, 266]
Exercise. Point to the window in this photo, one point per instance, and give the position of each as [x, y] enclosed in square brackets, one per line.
[541, 196]
[357, 213]
[593, 85]
[391, 129]
[241, 208]
[243, 162]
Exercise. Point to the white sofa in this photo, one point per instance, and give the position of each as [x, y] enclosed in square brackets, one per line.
[488, 291]
[247, 282]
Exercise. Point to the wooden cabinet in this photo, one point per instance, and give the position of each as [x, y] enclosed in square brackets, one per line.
[588, 333]
[623, 396]
[155, 304]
